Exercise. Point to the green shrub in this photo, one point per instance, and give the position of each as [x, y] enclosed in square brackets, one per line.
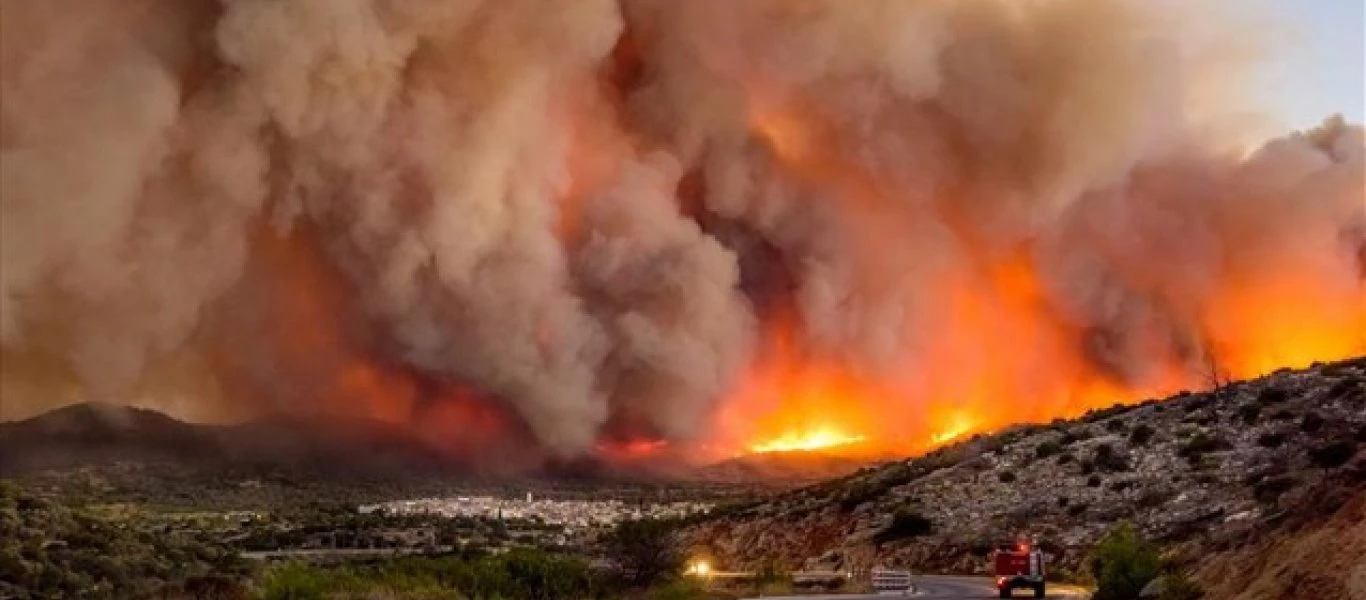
[1122, 564]
[1178, 586]
[295, 581]
[520, 574]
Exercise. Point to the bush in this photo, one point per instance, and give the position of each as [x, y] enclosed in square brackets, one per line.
[1272, 396]
[1123, 563]
[1006, 476]
[905, 524]
[1333, 454]
[1093, 481]
[1110, 460]
[1248, 413]
[1207, 478]
[1178, 586]
[1073, 435]
[1114, 425]
[1199, 444]
[1153, 498]
[772, 579]
[646, 551]
[686, 589]
[1271, 440]
[1283, 415]
[294, 581]
[214, 587]
[1269, 489]
[517, 575]
[1311, 423]
[859, 494]
[1141, 435]
[1047, 449]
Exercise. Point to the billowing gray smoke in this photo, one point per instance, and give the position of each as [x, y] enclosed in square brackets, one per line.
[577, 208]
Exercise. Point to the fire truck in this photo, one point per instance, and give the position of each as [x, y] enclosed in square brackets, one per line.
[1018, 565]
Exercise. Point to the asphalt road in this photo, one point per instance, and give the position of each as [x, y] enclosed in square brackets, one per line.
[936, 587]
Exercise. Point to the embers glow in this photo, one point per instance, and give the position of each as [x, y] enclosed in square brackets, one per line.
[817, 439]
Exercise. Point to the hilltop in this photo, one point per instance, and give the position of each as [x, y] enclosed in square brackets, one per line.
[118, 452]
[1259, 483]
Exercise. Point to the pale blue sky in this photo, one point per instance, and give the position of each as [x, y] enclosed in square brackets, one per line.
[1324, 70]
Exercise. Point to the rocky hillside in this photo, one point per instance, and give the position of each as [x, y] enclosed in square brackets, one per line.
[1229, 480]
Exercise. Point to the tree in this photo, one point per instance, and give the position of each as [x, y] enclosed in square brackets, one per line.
[1215, 376]
[1122, 564]
[645, 550]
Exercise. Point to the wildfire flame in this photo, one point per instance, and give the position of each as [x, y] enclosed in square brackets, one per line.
[961, 425]
[656, 230]
[817, 439]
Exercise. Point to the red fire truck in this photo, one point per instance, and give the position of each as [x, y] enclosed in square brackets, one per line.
[1018, 566]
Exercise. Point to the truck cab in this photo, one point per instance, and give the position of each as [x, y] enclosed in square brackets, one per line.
[1018, 565]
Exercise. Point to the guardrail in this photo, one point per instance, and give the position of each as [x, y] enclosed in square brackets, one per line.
[890, 580]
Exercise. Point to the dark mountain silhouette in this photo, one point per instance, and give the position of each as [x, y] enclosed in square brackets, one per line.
[336, 448]
[94, 435]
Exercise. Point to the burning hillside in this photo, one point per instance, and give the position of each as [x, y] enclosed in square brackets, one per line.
[526, 230]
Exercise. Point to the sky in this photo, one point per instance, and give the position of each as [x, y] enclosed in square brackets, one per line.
[1323, 70]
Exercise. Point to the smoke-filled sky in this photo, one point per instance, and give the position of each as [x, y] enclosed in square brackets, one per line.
[587, 226]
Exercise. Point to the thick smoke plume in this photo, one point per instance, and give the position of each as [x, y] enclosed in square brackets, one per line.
[594, 222]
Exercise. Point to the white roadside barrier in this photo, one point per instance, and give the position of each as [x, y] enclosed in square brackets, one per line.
[892, 581]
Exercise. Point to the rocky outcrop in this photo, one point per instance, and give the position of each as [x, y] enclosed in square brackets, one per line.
[1228, 473]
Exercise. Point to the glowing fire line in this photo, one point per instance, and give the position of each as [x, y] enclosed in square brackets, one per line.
[818, 439]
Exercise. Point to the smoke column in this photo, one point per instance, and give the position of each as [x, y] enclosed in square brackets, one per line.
[593, 222]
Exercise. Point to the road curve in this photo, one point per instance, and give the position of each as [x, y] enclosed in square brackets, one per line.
[943, 587]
